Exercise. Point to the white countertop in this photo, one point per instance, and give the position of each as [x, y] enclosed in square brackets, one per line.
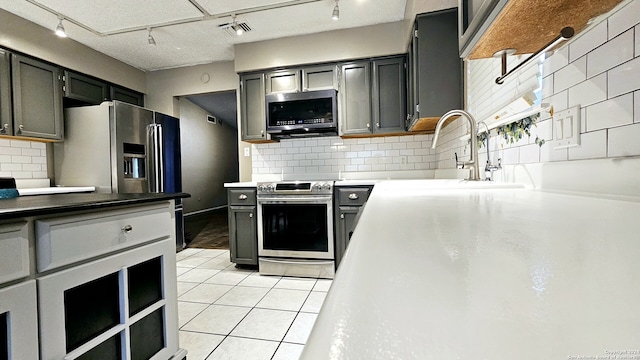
[55, 190]
[485, 273]
[241, 184]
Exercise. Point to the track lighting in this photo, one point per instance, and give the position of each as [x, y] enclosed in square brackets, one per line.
[336, 12]
[60, 28]
[238, 29]
[150, 38]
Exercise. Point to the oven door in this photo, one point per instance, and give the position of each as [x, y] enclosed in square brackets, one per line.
[298, 226]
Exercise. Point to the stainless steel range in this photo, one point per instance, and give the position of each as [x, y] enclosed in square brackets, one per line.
[295, 229]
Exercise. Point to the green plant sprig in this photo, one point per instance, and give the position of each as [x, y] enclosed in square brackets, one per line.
[514, 131]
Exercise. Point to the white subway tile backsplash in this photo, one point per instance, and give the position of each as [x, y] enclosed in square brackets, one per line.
[559, 101]
[636, 106]
[588, 40]
[558, 60]
[611, 54]
[547, 153]
[623, 141]
[20, 144]
[547, 87]
[637, 45]
[570, 75]
[593, 145]
[333, 155]
[529, 154]
[589, 92]
[611, 113]
[23, 159]
[624, 19]
[624, 78]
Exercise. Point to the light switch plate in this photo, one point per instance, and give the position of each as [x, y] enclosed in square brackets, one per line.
[247, 152]
[566, 128]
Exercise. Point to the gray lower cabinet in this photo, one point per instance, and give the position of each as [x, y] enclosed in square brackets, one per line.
[350, 201]
[243, 232]
[252, 107]
[5, 94]
[37, 99]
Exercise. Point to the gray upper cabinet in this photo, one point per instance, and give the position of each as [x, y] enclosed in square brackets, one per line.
[355, 98]
[85, 89]
[252, 107]
[37, 99]
[388, 95]
[5, 94]
[373, 97]
[126, 95]
[283, 81]
[320, 78]
[437, 82]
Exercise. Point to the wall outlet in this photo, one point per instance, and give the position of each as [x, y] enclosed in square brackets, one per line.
[403, 160]
[247, 152]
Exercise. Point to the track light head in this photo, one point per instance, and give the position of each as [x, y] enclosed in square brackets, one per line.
[336, 12]
[60, 29]
[150, 38]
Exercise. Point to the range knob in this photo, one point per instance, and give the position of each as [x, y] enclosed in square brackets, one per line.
[271, 187]
[316, 187]
[326, 186]
[261, 188]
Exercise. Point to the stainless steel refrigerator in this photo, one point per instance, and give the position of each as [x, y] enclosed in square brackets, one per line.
[121, 148]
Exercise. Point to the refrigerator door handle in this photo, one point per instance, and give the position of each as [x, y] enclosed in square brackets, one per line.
[160, 158]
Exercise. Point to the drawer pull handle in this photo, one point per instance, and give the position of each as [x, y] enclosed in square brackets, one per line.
[127, 229]
[353, 196]
[250, 215]
[242, 197]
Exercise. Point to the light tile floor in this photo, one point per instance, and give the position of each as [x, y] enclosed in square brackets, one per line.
[229, 313]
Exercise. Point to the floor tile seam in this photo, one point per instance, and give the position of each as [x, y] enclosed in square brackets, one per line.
[210, 303]
[289, 328]
[255, 338]
[267, 308]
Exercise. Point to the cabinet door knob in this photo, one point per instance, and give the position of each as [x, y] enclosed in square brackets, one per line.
[250, 215]
[368, 125]
[4, 129]
[341, 216]
[262, 133]
[20, 128]
[378, 125]
[242, 197]
[353, 196]
[127, 229]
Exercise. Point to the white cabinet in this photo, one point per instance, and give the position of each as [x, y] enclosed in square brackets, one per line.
[63, 240]
[14, 251]
[19, 322]
[122, 304]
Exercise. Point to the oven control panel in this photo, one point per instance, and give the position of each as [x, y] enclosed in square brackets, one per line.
[296, 187]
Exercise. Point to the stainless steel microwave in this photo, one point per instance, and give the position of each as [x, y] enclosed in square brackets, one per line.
[302, 113]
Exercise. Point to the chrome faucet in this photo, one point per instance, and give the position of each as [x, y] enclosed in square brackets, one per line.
[473, 160]
[489, 168]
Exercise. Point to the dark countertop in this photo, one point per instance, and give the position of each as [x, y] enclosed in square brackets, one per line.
[25, 206]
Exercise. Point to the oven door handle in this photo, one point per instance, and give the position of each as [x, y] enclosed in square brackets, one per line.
[301, 262]
[295, 199]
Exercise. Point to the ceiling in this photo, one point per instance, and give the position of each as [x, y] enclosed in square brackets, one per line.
[187, 32]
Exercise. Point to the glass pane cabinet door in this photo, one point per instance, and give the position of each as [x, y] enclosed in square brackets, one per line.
[4, 337]
[110, 349]
[90, 309]
[147, 335]
[145, 285]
